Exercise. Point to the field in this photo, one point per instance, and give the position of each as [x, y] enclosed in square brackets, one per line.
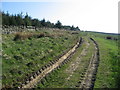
[26, 53]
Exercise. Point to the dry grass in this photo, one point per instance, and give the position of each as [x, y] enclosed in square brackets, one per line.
[28, 35]
[23, 36]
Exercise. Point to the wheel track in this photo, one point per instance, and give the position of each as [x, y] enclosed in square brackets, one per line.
[39, 75]
[90, 74]
[74, 65]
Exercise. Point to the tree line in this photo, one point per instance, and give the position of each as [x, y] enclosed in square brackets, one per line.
[26, 20]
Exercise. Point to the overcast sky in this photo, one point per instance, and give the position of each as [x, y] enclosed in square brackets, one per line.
[90, 15]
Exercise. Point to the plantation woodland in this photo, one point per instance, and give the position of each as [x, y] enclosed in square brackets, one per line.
[26, 20]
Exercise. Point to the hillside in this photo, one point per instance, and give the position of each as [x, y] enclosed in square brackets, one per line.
[56, 58]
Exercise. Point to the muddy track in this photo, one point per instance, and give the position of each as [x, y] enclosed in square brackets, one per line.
[90, 74]
[39, 75]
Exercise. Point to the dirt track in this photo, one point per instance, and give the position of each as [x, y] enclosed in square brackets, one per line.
[90, 75]
[34, 81]
[75, 64]
[86, 68]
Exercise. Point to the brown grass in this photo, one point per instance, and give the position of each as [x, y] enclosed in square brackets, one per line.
[28, 35]
[23, 36]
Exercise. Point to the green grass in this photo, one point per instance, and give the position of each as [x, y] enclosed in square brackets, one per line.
[108, 70]
[107, 76]
[23, 57]
[57, 79]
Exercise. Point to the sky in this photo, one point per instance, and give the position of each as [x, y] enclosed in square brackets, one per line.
[89, 15]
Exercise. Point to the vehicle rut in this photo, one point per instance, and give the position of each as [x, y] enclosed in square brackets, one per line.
[90, 74]
[33, 80]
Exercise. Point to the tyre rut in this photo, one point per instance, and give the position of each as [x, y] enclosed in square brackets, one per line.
[30, 83]
[90, 74]
[75, 64]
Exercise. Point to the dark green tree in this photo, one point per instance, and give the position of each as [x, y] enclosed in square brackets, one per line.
[13, 20]
[5, 18]
[36, 23]
[27, 20]
[58, 24]
[72, 28]
[43, 23]
[49, 24]
[19, 19]
[77, 28]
